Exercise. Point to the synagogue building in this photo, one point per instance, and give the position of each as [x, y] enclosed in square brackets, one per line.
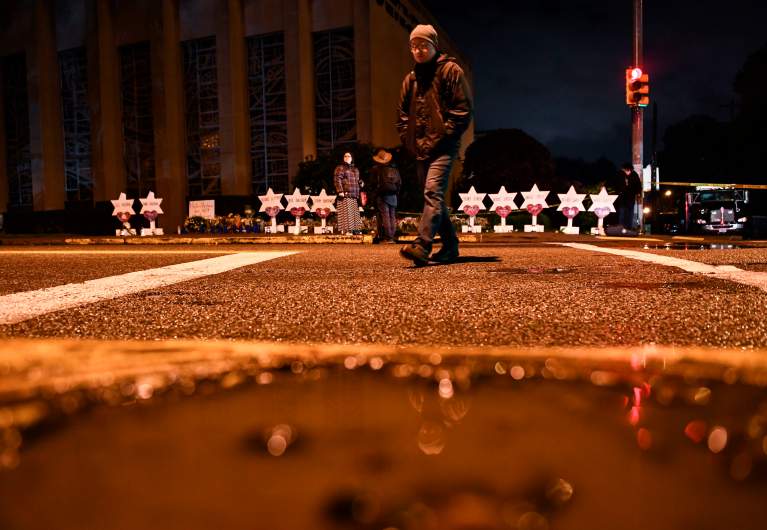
[191, 99]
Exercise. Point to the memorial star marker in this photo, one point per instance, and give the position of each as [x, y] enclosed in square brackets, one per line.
[322, 206]
[471, 205]
[123, 210]
[534, 203]
[150, 209]
[601, 205]
[571, 204]
[297, 206]
[271, 204]
[503, 205]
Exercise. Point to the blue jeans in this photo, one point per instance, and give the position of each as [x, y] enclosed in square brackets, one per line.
[386, 220]
[435, 218]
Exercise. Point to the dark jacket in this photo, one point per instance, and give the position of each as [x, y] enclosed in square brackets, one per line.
[629, 187]
[346, 179]
[435, 108]
[385, 180]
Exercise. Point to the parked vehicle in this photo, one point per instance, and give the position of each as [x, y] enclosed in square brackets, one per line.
[716, 210]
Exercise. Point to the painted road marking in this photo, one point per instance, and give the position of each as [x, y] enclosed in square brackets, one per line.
[108, 252]
[623, 238]
[17, 307]
[723, 272]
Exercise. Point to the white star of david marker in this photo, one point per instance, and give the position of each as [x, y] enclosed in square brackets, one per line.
[150, 203]
[502, 199]
[472, 198]
[270, 200]
[123, 204]
[323, 200]
[534, 196]
[297, 201]
[602, 200]
[571, 200]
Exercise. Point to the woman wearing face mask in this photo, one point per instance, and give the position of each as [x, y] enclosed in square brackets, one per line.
[347, 182]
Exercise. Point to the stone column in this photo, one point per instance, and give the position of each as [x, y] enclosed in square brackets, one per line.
[234, 132]
[46, 131]
[299, 83]
[109, 177]
[3, 160]
[362, 84]
[168, 111]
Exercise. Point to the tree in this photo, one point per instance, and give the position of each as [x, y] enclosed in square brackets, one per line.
[696, 150]
[749, 138]
[506, 157]
[588, 176]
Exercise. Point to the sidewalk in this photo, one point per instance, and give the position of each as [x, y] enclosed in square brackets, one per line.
[365, 239]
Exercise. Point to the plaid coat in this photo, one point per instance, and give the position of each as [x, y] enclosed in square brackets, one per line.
[346, 179]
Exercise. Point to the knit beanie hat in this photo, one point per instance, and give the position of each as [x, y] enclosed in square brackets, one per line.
[425, 32]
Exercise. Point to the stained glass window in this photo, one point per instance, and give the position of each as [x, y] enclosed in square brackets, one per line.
[268, 113]
[335, 105]
[17, 150]
[77, 125]
[203, 151]
[138, 128]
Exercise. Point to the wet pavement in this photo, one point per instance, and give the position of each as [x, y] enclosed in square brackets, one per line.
[495, 295]
[28, 269]
[753, 259]
[527, 386]
[412, 442]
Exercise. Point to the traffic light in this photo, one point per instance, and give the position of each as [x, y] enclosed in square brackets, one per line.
[637, 88]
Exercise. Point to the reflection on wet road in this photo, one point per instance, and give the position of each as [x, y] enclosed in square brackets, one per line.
[372, 442]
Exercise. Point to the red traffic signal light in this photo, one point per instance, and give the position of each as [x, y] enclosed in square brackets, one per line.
[637, 88]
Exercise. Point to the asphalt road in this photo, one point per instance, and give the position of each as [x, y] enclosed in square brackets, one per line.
[528, 385]
[520, 295]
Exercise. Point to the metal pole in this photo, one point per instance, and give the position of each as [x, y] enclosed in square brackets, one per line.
[654, 147]
[636, 111]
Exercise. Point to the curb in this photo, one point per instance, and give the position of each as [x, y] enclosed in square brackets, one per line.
[190, 240]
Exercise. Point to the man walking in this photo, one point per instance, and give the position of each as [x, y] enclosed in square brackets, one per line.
[386, 183]
[435, 109]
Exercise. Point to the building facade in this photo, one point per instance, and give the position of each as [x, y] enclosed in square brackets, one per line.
[191, 99]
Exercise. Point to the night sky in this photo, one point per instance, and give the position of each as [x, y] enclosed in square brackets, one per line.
[555, 69]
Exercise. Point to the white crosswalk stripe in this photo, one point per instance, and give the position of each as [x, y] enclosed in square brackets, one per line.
[17, 307]
[722, 272]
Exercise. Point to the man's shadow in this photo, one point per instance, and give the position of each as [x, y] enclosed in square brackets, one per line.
[461, 259]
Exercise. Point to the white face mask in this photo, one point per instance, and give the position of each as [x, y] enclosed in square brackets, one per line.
[348, 159]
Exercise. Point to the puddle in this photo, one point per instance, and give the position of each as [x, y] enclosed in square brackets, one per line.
[409, 444]
[533, 270]
[693, 246]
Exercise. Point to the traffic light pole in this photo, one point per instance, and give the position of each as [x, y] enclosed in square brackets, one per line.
[637, 129]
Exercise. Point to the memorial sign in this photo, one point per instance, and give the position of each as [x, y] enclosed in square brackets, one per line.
[503, 205]
[150, 209]
[123, 210]
[571, 204]
[297, 206]
[534, 203]
[471, 205]
[205, 209]
[271, 204]
[601, 205]
[322, 206]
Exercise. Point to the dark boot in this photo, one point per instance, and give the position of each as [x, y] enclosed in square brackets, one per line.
[416, 253]
[445, 255]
